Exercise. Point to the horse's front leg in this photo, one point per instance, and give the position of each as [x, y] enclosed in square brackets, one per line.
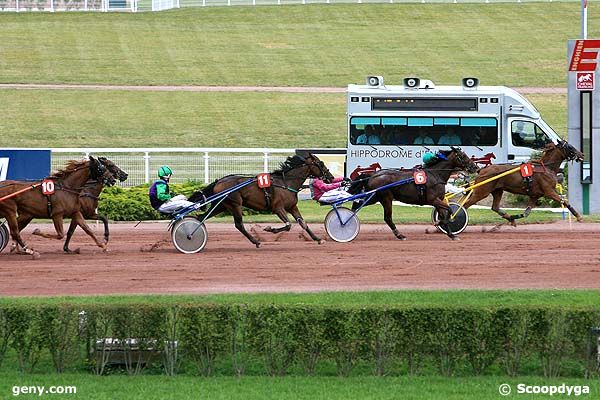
[298, 217]
[444, 212]
[80, 221]
[282, 214]
[386, 202]
[236, 211]
[556, 197]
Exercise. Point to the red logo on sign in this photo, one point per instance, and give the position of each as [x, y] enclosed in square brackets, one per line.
[585, 81]
[264, 180]
[526, 170]
[47, 187]
[585, 55]
[420, 177]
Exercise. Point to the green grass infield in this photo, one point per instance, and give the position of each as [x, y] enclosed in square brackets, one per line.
[425, 298]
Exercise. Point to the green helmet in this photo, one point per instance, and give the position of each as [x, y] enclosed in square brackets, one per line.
[164, 171]
[428, 157]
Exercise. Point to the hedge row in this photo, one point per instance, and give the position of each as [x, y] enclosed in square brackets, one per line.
[281, 338]
[133, 204]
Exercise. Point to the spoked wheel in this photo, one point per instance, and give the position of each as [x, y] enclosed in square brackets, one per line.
[342, 224]
[458, 223]
[189, 235]
[4, 236]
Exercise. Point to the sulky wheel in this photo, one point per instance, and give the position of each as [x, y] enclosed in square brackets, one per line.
[342, 224]
[458, 223]
[189, 235]
[4, 236]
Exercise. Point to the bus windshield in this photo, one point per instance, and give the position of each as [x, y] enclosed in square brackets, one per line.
[442, 131]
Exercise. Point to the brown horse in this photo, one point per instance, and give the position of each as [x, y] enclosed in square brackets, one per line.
[542, 184]
[280, 198]
[64, 202]
[88, 201]
[438, 172]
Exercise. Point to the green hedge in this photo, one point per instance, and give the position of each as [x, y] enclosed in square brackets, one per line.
[133, 204]
[277, 340]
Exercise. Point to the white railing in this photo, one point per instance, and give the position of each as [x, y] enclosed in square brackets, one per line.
[158, 5]
[196, 164]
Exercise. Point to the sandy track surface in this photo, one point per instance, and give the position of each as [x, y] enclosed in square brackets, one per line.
[531, 256]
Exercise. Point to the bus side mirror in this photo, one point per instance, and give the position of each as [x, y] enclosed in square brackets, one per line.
[412, 83]
[470, 83]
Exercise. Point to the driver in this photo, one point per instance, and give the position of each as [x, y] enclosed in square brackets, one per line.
[161, 198]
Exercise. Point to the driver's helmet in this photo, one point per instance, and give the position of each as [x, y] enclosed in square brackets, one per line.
[164, 172]
[428, 158]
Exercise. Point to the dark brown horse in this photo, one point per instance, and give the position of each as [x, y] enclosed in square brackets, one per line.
[88, 201]
[542, 184]
[432, 193]
[89, 197]
[64, 202]
[280, 198]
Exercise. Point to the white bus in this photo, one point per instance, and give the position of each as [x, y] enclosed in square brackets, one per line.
[395, 125]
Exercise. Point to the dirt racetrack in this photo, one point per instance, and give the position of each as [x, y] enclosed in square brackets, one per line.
[530, 256]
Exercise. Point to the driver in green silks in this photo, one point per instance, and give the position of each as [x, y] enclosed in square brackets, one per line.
[161, 197]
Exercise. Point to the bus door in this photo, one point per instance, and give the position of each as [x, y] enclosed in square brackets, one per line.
[524, 138]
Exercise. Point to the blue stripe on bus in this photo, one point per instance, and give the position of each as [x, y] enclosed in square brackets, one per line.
[447, 121]
[420, 122]
[393, 121]
[365, 121]
[478, 122]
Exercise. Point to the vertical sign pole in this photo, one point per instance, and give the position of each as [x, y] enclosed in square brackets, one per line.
[584, 19]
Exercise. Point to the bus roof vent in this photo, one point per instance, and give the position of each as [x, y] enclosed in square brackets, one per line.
[470, 83]
[426, 84]
[375, 81]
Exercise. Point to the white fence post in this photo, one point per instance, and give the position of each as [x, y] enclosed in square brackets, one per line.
[17, 5]
[206, 177]
[51, 5]
[146, 167]
[85, 7]
[266, 161]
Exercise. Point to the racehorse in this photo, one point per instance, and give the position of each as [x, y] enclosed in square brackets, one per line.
[543, 181]
[432, 192]
[32, 203]
[88, 201]
[280, 198]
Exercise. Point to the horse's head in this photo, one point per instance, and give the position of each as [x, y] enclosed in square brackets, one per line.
[100, 173]
[460, 160]
[114, 169]
[317, 168]
[569, 152]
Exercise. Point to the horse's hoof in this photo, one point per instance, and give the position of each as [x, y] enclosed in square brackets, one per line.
[321, 241]
[455, 238]
[579, 219]
[267, 229]
[36, 231]
[35, 255]
[401, 237]
[257, 245]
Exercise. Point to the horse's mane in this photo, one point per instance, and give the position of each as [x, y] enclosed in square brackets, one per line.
[289, 164]
[72, 166]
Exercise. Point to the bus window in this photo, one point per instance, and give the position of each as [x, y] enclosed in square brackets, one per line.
[443, 131]
[528, 134]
